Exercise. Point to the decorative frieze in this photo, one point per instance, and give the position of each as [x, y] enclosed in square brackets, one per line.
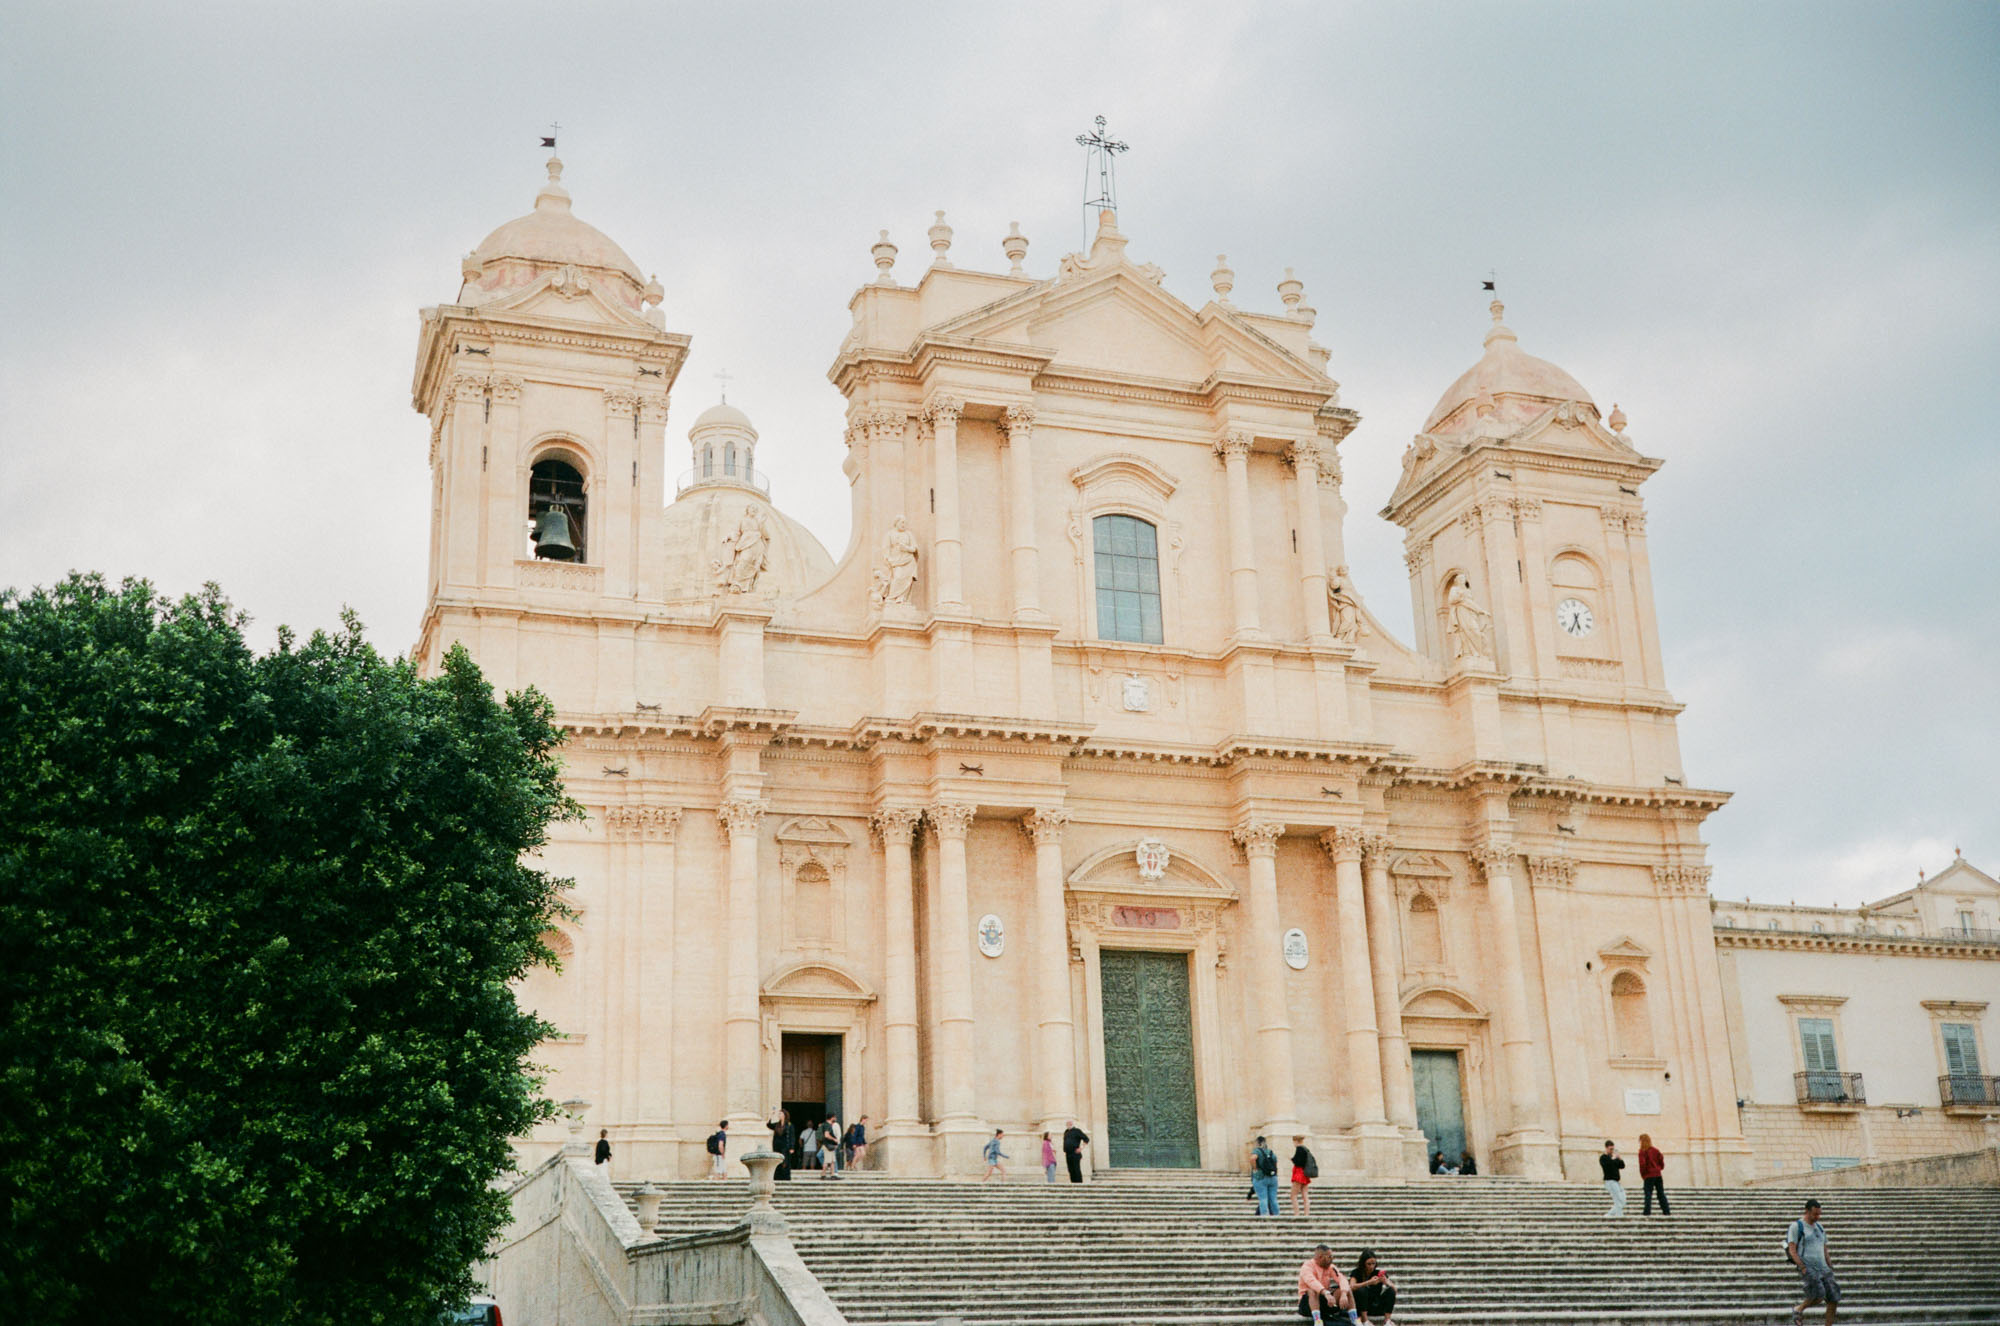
[542, 573]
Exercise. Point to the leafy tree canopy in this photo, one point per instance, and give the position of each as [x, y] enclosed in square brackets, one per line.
[259, 1058]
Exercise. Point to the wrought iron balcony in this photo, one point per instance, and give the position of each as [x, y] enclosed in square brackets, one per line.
[1969, 1089]
[1821, 1088]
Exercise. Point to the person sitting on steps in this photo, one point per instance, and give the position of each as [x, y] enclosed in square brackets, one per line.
[1323, 1289]
[1374, 1291]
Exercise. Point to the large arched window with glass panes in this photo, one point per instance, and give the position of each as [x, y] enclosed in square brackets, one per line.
[1126, 554]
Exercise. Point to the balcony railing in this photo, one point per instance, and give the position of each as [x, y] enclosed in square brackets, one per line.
[1821, 1088]
[1969, 1089]
[744, 477]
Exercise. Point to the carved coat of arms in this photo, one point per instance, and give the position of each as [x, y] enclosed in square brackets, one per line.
[1152, 856]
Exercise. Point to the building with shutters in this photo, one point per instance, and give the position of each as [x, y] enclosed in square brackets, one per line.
[1862, 1033]
[1083, 784]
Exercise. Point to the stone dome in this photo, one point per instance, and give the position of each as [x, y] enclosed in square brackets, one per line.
[549, 237]
[704, 515]
[722, 415]
[1518, 385]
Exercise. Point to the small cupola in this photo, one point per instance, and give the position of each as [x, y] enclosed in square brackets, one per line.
[724, 449]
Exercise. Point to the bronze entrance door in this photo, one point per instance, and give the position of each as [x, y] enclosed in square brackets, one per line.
[1149, 1060]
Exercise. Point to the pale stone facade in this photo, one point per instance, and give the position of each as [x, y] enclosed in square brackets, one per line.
[1865, 1034]
[1088, 728]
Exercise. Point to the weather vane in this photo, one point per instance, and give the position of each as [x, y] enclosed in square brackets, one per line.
[1101, 157]
[725, 377]
[549, 138]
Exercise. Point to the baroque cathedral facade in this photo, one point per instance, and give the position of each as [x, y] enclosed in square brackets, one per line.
[1084, 784]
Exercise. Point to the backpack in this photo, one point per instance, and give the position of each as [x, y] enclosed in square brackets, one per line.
[715, 1141]
[1312, 1166]
[1267, 1161]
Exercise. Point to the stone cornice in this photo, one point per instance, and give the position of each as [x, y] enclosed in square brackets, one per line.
[1801, 941]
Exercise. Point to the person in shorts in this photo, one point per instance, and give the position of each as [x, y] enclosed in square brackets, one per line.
[718, 1151]
[1323, 1290]
[1304, 1169]
[1805, 1244]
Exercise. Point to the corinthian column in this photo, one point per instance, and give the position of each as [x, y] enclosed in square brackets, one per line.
[1263, 955]
[1357, 986]
[741, 984]
[952, 1094]
[947, 557]
[897, 826]
[1534, 1151]
[1235, 452]
[1385, 959]
[1020, 426]
[1312, 538]
[1055, 1045]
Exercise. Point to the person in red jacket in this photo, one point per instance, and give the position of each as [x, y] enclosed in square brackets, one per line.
[1651, 1166]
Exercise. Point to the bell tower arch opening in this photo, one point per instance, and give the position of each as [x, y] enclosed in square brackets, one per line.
[558, 509]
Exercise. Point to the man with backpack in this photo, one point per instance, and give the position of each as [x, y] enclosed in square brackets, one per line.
[718, 1151]
[1805, 1247]
[1264, 1178]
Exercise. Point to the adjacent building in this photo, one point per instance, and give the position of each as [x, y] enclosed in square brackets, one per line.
[1861, 1034]
[1083, 783]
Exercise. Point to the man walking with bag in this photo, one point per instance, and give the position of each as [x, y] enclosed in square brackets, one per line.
[1264, 1178]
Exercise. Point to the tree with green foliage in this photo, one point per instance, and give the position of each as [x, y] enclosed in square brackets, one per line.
[259, 916]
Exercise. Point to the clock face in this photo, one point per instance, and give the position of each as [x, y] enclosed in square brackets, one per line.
[1573, 615]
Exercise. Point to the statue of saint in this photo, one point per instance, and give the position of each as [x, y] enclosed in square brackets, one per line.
[746, 554]
[897, 575]
[1343, 610]
[1469, 625]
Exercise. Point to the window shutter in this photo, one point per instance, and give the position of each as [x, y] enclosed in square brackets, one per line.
[1816, 1041]
[1961, 1051]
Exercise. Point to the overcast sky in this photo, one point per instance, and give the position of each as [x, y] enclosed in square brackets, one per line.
[1769, 232]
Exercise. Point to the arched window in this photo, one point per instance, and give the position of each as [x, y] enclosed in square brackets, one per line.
[558, 511]
[708, 460]
[1819, 927]
[729, 458]
[1631, 1025]
[1426, 935]
[1573, 572]
[1127, 555]
[1773, 925]
[550, 992]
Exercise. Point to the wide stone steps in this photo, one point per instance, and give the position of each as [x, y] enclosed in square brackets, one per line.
[1185, 1250]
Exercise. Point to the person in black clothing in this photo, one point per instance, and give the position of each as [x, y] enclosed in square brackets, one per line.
[1074, 1139]
[1304, 1170]
[1374, 1291]
[1437, 1162]
[783, 1137]
[1612, 1164]
[1467, 1165]
[603, 1147]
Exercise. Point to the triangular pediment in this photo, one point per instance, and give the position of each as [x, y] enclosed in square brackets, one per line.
[814, 829]
[1120, 319]
[1625, 949]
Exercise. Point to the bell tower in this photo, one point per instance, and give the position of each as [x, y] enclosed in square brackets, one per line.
[546, 384]
[1524, 529]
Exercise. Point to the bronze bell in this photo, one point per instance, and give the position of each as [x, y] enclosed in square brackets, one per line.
[553, 535]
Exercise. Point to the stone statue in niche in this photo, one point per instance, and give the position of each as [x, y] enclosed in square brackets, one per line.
[1343, 610]
[746, 554]
[897, 574]
[1469, 625]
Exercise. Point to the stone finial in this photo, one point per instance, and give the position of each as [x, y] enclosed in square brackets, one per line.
[1014, 245]
[940, 234]
[654, 292]
[885, 258]
[1291, 290]
[1222, 278]
[553, 196]
[469, 267]
[1617, 419]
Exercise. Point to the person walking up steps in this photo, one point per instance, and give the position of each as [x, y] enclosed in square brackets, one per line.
[1074, 1140]
[1322, 1288]
[782, 1137]
[1610, 1163]
[994, 1155]
[1652, 1165]
[1805, 1244]
[829, 1148]
[1048, 1158]
[857, 1142]
[809, 1148]
[1264, 1179]
[603, 1154]
[718, 1151]
[1304, 1170]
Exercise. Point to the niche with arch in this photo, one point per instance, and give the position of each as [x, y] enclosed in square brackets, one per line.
[1631, 1021]
[1574, 578]
[812, 863]
[553, 993]
[1423, 885]
[558, 508]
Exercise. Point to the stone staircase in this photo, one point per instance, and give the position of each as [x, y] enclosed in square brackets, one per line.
[1185, 1250]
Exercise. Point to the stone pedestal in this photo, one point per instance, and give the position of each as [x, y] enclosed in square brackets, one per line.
[903, 1150]
[1380, 1150]
[763, 1217]
[649, 1207]
[1529, 1154]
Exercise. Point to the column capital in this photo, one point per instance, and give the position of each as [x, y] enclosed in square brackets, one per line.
[653, 407]
[506, 388]
[1305, 455]
[1018, 419]
[1378, 846]
[896, 826]
[1554, 871]
[1234, 443]
[1496, 857]
[881, 424]
[620, 403]
[468, 386]
[950, 820]
[741, 815]
[1258, 837]
[1044, 827]
[1345, 842]
[943, 409]
[1682, 880]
